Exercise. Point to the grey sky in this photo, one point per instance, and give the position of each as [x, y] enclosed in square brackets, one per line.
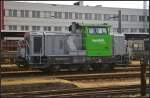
[122, 4]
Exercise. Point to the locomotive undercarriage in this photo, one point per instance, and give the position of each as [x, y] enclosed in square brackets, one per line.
[68, 62]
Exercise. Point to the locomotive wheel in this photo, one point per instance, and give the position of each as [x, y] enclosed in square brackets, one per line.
[106, 67]
[84, 68]
[96, 67]
[52, 68]
[73, 67]
[23, 65]
[55, 68]
[46, 70]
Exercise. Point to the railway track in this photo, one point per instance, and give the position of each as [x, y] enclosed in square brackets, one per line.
[14, 68]
[78, 92]
[101, 76]
[40, 73]
[118, 73]
[6, 68]
[74, 77]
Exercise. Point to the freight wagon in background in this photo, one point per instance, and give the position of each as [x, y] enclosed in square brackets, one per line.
[87, 46]
[8, 53]
[138, 48]
[9, 40]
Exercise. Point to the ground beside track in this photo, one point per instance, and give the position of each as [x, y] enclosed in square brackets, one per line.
[45, 83]
[135, 62]
[29, 84]
[51, 84]
[107, 82]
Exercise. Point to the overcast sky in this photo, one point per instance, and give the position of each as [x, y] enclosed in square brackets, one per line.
[121, 4]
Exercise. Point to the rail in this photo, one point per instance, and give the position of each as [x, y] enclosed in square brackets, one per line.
[84, 92]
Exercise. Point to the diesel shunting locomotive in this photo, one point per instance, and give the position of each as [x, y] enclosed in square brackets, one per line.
[87, 46]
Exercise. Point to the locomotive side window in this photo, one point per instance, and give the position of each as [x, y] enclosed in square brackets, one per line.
[37, 44]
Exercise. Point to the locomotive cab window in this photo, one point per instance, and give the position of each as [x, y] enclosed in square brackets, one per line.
[97, 30]
[102, 30]
[93, 30]
[37, 44]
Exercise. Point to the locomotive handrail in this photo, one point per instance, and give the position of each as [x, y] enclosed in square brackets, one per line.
[40, 54]
[27, 43]
[19, 47]
[28, 47]
[18, 44]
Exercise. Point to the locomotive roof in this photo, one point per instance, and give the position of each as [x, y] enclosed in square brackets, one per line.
[95, 25]
[51, 33]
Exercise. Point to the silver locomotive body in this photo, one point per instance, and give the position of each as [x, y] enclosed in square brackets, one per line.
[43, 49]
[51, 50]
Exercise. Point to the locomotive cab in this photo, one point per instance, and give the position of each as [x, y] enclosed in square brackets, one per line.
[97, 42]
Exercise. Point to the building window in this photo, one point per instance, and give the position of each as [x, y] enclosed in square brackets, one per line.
[106, 17]
[98, 17]
[12, 27]
[141, 18]
[124, 17]
[133, 29]
[115, 29]
[24, 13]
[67, 28]
[57, 28]
[24, 28]
[47, 14]
[141, 30]
[125, 30]
[88, 16]
[47, 28]
[12, 13]
[115, 17]
[133, 18]
[35, 14]
[78, 15]
[68, 15]
[58, 15]
[148, 18]
[35, 28]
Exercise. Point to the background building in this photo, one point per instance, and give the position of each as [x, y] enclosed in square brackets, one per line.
[22, 16]
[25, 17]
